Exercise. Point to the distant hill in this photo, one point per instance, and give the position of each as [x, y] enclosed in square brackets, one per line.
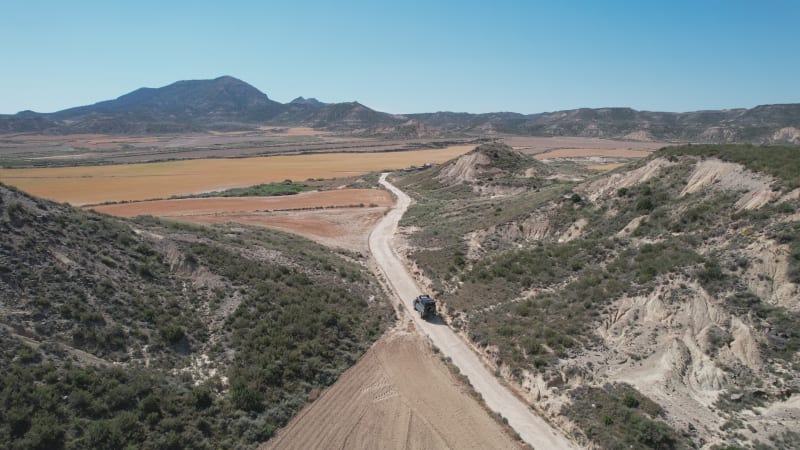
[762, 124]
[306, 101]
[334, 116]
[181, 106]
[229, 103]
[195, 105]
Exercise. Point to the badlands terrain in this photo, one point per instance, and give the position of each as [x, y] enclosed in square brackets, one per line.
[656, 304]
[240, 275]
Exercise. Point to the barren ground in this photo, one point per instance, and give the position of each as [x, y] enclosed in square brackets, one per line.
[398, 396]
[329, 221]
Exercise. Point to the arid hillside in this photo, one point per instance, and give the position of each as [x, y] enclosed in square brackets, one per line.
[151, 334]
[654, 306]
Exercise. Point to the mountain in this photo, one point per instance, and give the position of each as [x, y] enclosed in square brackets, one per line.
[221, 99]
[229, 103]
[194, 105]
[334, 116]
[184, 105]
[306, 101]
[761, 124]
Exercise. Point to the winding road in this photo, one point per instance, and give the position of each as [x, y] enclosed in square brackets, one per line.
[531, 428]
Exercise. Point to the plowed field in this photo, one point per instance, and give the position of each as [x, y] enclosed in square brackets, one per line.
[398, 396]
[327, 217]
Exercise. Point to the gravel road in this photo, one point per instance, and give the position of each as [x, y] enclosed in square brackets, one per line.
[532, 428]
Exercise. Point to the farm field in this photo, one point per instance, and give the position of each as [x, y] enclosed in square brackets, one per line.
[36, 150]
[129, 182]
[327, 218]
[346, 228]
[212, 205]
[538, 144]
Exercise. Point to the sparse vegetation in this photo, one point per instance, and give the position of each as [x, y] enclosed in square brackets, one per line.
[273, 316]
[534, 301]
[287, 187]
[780, 161]
[617, 416]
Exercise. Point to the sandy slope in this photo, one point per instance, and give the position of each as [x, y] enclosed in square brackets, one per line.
[398, 396]
[532, 428]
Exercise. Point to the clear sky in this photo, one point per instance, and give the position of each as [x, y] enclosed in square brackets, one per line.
[410, 56]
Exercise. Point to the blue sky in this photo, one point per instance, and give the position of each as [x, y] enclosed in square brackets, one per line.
[409, 56]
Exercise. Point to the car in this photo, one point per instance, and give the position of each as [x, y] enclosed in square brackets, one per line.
[425, 306]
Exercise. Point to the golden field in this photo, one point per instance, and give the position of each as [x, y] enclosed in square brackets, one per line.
[125, 182]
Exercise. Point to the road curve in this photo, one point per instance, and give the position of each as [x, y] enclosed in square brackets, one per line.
[532, 428]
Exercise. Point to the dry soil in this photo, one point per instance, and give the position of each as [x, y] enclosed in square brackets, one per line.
[398, 396]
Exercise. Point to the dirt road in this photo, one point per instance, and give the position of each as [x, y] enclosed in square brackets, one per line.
[532, 428]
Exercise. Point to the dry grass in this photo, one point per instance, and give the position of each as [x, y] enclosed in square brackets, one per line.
[584, 152]
[98, 184]
[222, 205]
[605, 167]
[295, 131]
[88, 141]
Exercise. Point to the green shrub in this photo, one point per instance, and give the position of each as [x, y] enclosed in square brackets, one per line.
[782, 162]
[618, 416]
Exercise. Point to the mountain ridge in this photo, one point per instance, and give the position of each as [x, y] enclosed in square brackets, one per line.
[229, 103]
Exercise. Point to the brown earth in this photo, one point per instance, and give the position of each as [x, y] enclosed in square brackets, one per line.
[398, 396]
[331, 222]
[346, 228]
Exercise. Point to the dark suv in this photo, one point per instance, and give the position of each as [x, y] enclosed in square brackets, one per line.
[425, 306]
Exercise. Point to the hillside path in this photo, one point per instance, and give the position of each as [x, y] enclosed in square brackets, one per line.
[532, 428]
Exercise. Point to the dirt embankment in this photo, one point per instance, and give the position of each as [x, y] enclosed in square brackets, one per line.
[713, 173]
[465, 169]
[609, 185]
[398, 396]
